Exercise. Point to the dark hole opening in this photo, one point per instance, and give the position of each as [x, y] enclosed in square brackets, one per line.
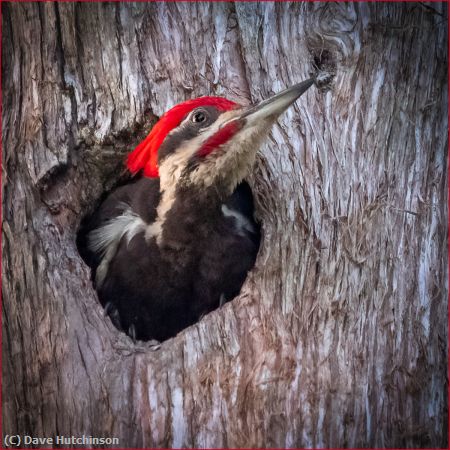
[141, 293]
[323, 68]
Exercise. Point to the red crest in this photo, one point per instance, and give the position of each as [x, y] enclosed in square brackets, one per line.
[145, 155]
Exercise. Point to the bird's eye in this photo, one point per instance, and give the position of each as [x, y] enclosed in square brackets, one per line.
[199, 117]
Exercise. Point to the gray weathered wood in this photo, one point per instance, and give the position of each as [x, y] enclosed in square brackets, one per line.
[340, 335]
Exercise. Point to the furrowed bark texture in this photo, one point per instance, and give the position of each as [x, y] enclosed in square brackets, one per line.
[339, 337]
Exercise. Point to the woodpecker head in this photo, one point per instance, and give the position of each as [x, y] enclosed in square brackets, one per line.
[209, 141]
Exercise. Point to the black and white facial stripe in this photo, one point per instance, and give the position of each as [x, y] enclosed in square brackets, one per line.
[196, 123]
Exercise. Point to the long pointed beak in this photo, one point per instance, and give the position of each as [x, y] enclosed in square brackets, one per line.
[274, 106]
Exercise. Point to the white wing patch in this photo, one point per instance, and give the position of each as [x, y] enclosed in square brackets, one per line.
[241, 222]
[106, 239]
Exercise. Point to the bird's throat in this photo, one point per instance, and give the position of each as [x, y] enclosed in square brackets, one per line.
[184, 215]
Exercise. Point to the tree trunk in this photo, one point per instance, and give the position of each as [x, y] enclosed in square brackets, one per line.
[339, 336]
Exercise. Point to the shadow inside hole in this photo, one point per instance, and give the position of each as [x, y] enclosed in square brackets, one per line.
[86, 223]
[147, 310]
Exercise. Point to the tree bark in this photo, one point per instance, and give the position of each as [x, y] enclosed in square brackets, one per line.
[339, 336]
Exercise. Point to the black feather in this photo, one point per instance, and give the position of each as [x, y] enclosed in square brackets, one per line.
[203, 258]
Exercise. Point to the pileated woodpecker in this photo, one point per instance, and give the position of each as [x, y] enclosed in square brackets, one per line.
[179, 241]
